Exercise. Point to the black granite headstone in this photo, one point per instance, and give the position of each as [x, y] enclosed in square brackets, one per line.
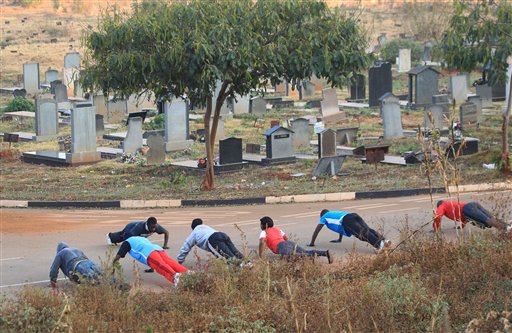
[380, 82]
[230, 151]
[358, 87]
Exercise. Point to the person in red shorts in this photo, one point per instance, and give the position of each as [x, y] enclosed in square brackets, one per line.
[278, 242]
[141, 249]
[471, 212]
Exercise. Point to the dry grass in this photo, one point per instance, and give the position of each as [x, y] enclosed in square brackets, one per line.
[426, 285]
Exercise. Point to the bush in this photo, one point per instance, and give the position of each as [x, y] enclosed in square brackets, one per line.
[156, 123]
[389, 51]
[19, 104]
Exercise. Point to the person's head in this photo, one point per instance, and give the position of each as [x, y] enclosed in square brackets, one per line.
[323, 212]
[61, 246]
[151, 224]
[196, 222]
[439, 203]
[266, 222]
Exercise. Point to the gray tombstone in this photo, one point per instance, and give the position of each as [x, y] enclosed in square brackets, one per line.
[156, 144]
[100, 125]
[99, 103]
[308, 88]
[380, 81]
[404, 64]
[51, 75]
[53, 84]
[301, 135]
[436, 99]
[224, 110]
[258, 106]
[329, 107]
[485, 93]
[346, 135]
[117, 111]
[459, 88]
[47, 119]
[427, 52]
[19, 93]
[241, 105]
[442, 103]
[436, 112]
[477, 100]
[468, 113]
[230, 151]
[279, 145]
[133, 140]
[176, 125]
[83, 135]
[382, 39]
[221, 131]
[253, 148]
[326, 143]
[61, 93]
[423, 84]
[391, 116]
[330, 165]
[72, 60]
[31, 77]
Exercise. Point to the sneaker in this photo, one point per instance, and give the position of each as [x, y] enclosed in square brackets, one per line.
[509, 228]
[384, 246]
[246, 264]
[109, 242]
[176, 279]
[330, 257]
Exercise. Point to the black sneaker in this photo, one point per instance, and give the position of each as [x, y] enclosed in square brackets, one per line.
[330, 257]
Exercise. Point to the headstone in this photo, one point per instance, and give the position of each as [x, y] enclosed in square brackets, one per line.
[329, 107]
[423, 84]
[99, 103]
[427, 52]
[176, 125]
[459, 88]
[230, 151]
[434, 111]
[380, 82]
[308, 88]
[72, 60]
[438, 99]
[19, 93]
[485, 93]
[53, 84]
[31, 77]
[61, 93]
[83, 135]
[47, 119]
[330, 165]
[69, 77]
[442, 103]
[375, 153]
[346, 135]
[404, 64]
[224, 109]
[477, 100]
[241, 105]
[468, 113]
[253, 148]
[51, 75]
[391, 116]
[258, 105]
[301, 135]
[100, 125]
[221, 132]
[116, 111]
[382, 39]
[133, 140]
[279, 146]
[358, 87]
[156, 152]
[326, 143]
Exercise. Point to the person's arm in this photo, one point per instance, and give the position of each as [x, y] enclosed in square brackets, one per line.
[315, 234]
[54, 270]
[261, 247]
[123, 250]
[161, 230]
[186, 247]
[437, 219]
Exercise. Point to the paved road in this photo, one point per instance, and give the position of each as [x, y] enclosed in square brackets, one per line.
[29, 236]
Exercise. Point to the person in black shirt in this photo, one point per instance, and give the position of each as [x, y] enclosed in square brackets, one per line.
[143, 229]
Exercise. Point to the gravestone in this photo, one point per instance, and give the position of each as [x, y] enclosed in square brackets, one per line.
[72, 60]
[358, 87]
[458, 88]
[117, 111]
[101, 106]
[19, 93]
[156, 144]
[51, 75]
[485, 93]
[468, 113]
[253, 148]
[375, 153]
[242, 104]
[346, 135]
[301, 135]
[83, 135]
[224, 110]
[230, 151]
[404, 64]
[330, 165]
[133, 140]
[477, 100]
[423, 84]
[308, 89]
[441, 102]
[47, 119]
[69, 77]
[176, 125]
[100, 125]
[61, 93]
[380, 81]
[258, 105]
[436, 112]
[279, 146]
[391, 116]
[53, 84]
[31, 77]
[326, 143]
[427, 52]
[221, 132]
[329, 107]
[382, 39]
[438, 99]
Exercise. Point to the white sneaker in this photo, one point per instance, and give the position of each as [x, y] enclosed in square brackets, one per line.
[246, 264]
[109, 242]
[509, 228]
[384, 245]
[176, 279]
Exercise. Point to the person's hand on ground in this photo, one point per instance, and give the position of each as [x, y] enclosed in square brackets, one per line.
[165, 248]
[149, 270]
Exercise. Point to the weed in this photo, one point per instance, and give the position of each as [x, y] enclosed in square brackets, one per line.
[19, 104]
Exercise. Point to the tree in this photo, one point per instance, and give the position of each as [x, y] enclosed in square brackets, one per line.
[479, 34]
[184, 48]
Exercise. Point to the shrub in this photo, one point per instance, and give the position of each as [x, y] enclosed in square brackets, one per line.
[156, 123]
[389, 51]
[19, 104]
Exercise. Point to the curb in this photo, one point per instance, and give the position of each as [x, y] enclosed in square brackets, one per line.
[320, 197]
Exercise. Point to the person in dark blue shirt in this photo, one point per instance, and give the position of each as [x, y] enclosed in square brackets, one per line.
[348, 224]
[143, 229]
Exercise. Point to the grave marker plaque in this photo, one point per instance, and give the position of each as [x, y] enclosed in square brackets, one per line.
[468, 113]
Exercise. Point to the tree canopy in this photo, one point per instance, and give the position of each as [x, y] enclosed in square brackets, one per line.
[185, 48]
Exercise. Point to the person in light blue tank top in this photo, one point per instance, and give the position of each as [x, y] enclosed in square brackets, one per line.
[348, 224]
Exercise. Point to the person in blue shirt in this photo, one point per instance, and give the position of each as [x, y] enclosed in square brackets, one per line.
[143, 229]
[348, 224]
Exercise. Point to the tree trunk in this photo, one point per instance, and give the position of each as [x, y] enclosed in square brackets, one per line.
[504, 132]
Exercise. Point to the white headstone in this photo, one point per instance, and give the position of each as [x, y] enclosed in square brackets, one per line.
[72, 60]
[391, 116]
[133, 140]
[241, 105]
[329, 106]
[51, 75]
[301, 134]
[31, 77]
[404, 56]
[176, 125]
[459, 88]
[47, 119]
[83, 135]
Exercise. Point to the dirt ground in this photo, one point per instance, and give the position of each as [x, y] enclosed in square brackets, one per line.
[22, 222]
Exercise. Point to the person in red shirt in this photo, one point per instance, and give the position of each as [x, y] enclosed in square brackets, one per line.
[471, 212]
[278, 242]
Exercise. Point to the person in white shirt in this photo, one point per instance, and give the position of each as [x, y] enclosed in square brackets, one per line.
[208, 239]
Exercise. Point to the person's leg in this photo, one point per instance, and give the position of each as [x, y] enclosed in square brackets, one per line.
[286, 248]
[217, 245]
[290, 248]
[156, 262]
[232, 248]
[354, 224]
[176, 266]
[88, 270]
[483, 218]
